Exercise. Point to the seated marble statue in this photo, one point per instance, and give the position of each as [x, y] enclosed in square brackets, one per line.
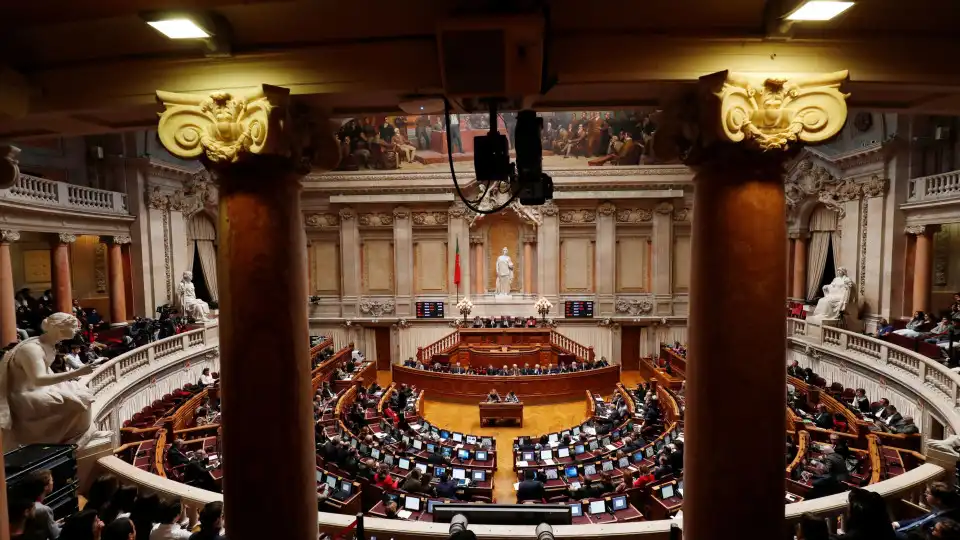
[191, 305]
[836, 297]
[38, 405]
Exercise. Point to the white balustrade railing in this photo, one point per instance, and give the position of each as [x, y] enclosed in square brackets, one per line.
[61, 195]
[916, 370]
[935, 187]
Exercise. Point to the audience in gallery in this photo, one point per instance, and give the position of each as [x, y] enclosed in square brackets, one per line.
[912, 329]
[508, 370]
[944, 511]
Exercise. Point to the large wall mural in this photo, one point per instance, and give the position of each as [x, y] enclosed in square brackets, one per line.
[570, 139]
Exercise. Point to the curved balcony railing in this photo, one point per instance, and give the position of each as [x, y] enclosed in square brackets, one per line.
[856, 347]
[37, 191]
[936, 187]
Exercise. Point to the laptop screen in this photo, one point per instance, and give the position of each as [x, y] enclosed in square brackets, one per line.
[546, 454]
[471, 439]
[551, 474]
[404, 464]
[606, 466]
[446, 451]
[576, 510]
[486, 441]
[590, 470]
[553, 437]
[563, 451]
[431, 448]
[605, 441]
[619, 502]
[481, 455]
[375, 453]
[528, 456]
[418, 444]
[594, 444]
[648, 451]
[364, 449]
[405, 439]
[578, 449]
[444, 434]
[431, 503]
[666, 439]
[422, 467]
[479, 476]
[576, 430]
[624, 462]
[388, 459]
[666, 491]
[571, 472]
[458, 437]
[319, 476]
[439, 471]
[411, 503]
[332, 482]
[460, 474]
[598, 507]
[638, 456]
[346, 487]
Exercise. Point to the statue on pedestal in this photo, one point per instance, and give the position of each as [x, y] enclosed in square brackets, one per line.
[189, 303]
[836, 296]
[504, 273]
[40, 406]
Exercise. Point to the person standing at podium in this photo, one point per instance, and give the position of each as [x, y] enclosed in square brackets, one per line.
[512, 398]
[493, 396]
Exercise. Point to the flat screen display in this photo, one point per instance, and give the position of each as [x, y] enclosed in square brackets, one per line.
[598, 507]
[666, 491]
[412, 504]
[481, 455]
[575, 309]
[576, 510]
[619, 503]
[434, 310]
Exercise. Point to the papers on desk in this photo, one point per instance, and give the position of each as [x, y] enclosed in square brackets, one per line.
[554, 444]
[404, 514]
[548, 462]
[574, 485]
[380, 434]
[415, 427]
[522, 464]
[610, 447]
[589, 430]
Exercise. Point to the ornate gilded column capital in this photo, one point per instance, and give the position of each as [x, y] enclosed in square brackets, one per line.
[400, 213]
[225, 127]
[476, 240]
[9, 166]
[549, 209]
[458, 210]
[771, 112]
[606, 209]
[8, 236]
[66, 238]
[119, 239]
[919, 230]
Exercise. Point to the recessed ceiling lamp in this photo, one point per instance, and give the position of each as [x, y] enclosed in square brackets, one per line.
[179, 28]
[819, 10]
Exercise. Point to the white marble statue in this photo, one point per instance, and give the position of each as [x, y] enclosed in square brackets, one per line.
[504, 273]
[189, 303]
[38, 405]
[836, 296]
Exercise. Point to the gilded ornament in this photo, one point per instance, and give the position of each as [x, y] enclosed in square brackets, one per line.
[122, 239]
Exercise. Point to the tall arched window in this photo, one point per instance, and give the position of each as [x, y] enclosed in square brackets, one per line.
[202, 235]
[823, 251]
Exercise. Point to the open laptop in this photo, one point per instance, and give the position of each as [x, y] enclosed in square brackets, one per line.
[618, 503]
[346, 489]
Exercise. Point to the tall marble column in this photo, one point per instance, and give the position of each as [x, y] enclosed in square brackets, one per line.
[257, 161]
[403, 260]
[476, 246]
[62, 279]
[548, 252]
[350, 262]
[118, 288]
[663, 258]
[799, 289]
[922, 265]
[738, 262]
[606, 257]
[8, 309]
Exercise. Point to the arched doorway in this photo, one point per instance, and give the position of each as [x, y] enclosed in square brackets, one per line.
[202, 237]
[823, 250]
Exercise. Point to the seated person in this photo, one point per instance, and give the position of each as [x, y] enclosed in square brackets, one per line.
[663, 467]
[491, 370]
[514, 371]
[530, 489]
[505, 371]
[943, 504]
[552, 369]
[602, 362]
[512, 398]
[905, 426]
[942, 332]
[447, 487]
[205, 378]
[913, 326]
[891, 418]
[822, 419]
[884, 328]
[861, 402]
[477, 322]
[794, 370]
[412, 484]
[644, 477]
[526, 370]
[383, 479]
[410, 362]
[457, 370]
[829, 476]
[536, 370]
[493, 396]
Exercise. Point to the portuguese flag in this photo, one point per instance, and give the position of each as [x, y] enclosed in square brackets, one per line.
[456, 266]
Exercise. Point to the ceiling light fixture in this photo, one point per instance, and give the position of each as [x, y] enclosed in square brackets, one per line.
[180, 28]
[819, 10]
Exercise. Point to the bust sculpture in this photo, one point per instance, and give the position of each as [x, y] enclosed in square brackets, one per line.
[836, 297]
[504, 273]
[191, 305]
[38, 405]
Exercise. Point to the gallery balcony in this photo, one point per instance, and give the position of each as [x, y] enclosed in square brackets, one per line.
[31, 191]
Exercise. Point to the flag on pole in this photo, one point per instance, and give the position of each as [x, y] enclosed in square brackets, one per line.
[456, 266]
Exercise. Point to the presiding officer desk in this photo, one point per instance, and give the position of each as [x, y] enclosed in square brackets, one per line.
[501, 411]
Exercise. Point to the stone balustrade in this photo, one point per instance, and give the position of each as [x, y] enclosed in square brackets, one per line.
[35, 191]
[936, 187]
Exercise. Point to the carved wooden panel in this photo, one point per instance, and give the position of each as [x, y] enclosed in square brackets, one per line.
[377, 265]
[325, 267]
[681, 263]
[430, 266]
[576, 265]
[633, 264]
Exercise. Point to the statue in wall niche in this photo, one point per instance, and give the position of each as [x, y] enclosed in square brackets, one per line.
[836, 297]
[191, 305]
[504, 273]
[40, 406]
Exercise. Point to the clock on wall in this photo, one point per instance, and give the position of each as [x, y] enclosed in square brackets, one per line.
[863, 121]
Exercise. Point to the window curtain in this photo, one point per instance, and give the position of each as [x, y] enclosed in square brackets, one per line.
[598, 337]
[420, 335]
[203, 235]
[823, 225]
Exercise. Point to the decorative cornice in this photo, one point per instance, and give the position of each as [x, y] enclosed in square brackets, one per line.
[858, 157]
[346, 214]
[632, 306]
[549, 209]
[809, 180]
[427, 219]
[634, 215]
[606, 209]
[375, 219]
[8, 236]
[321, 219]
[919, 230]
[582, 215]
[664, 208]
[401, 213]
[171, 171]
[458, 210]
[66, 238]
[376, 308]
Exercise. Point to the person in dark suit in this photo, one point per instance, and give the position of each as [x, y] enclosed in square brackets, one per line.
[823, 418]
[530, 489]
[943, 504]
[835, 473]
[447, 487]
[412, 484]
[861, 402]
[794, 370]
[905, 426]
[436, 458]
[880, 411]
[493, 396]
[893, 417]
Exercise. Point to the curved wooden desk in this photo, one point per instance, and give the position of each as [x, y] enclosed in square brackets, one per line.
[529, 388]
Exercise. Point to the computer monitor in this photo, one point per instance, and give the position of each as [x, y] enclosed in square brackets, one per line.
[375, 453]
[486, 441]
[346, 487]
[391, 497]
[332, 481]
[439, 472]
[388, 459]
[431, 447]
[481, 455]
[444, 434]
[594, 444]
[576, 431]
[666, 439]
[597, 507]
[623, 462]
[551, 474]
[576, 509]
[463, 454]
[564, 433]
[553, 437]
[605, 441]
[680, 487]
[446, 451]
[529, 456]
[411, 503]
[458, 437]
[579, 449]
[460, 474]
[659, 444]
[364, 449]
[546, 454]
[479, 476]
[638, 456]
[404, 464]
[425, 426]
[666, 491]
[418, 444]
[675, 432]
[563, 451]
[616, 434]
[571, 472]
[471, 439]
[619, 503]
[648, 451]
[353, 443]
[590, 470]
[431, 503]
[422, 467]
[405, 439]
[319, 476]
[606, 466]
